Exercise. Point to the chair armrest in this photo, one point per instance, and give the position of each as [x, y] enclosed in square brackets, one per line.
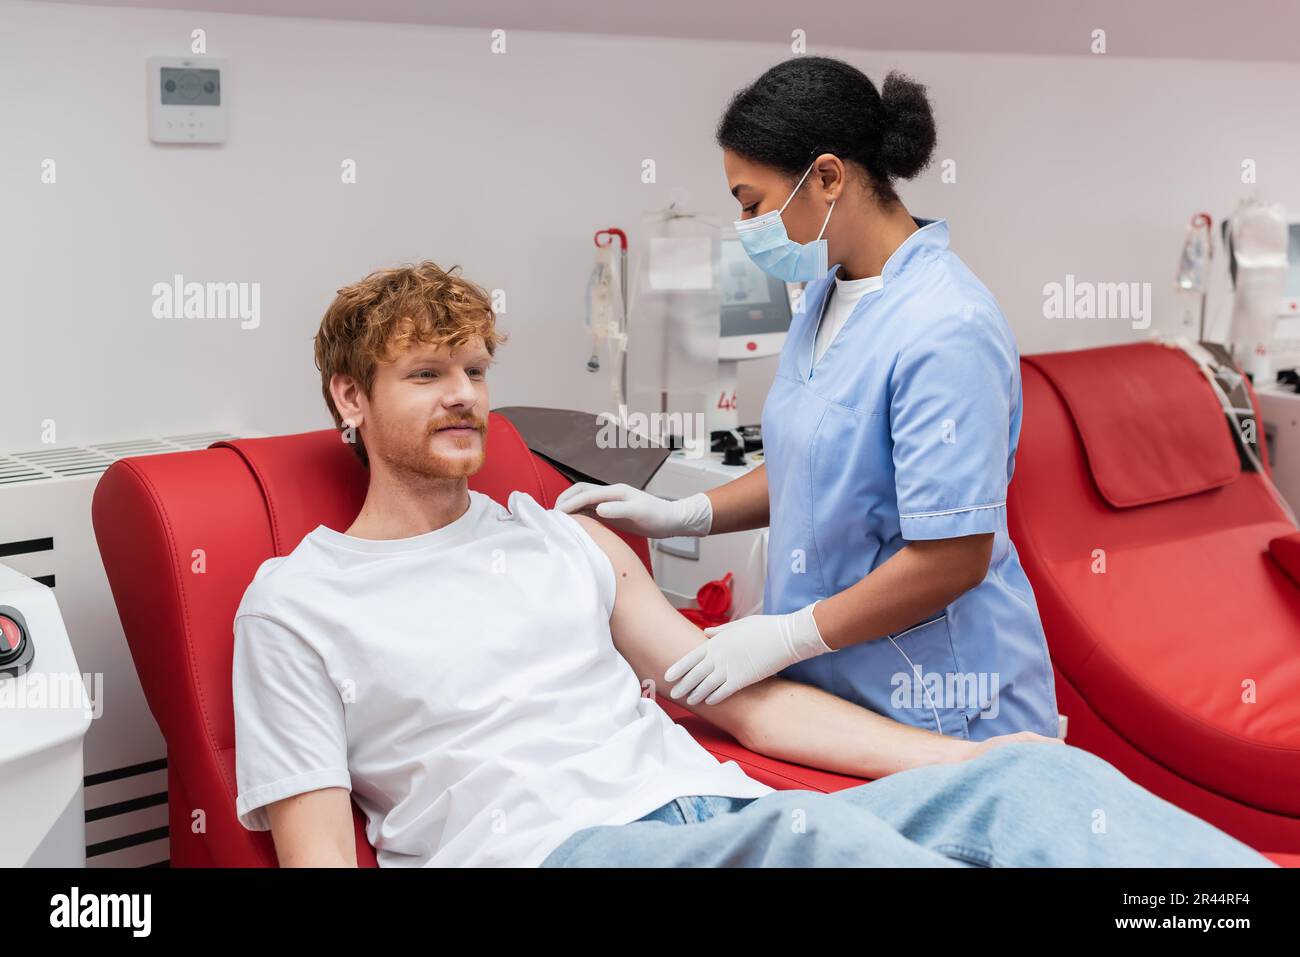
[1286, 552]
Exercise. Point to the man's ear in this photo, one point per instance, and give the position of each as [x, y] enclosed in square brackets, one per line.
[348, 398]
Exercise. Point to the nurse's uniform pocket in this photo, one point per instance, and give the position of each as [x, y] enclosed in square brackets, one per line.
[926, 685]
[850, 496]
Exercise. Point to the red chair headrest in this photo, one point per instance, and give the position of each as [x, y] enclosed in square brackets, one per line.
[284, 464]
[1150, 425]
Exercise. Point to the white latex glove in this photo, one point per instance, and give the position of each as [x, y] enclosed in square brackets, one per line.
[631, 510]
[741, 652]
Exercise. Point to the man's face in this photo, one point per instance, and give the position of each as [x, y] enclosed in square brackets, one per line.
[428, 410]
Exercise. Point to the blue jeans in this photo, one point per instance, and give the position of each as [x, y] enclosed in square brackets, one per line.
[1029, 804]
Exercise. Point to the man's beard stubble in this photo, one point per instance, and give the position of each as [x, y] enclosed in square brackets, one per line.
[412, 459]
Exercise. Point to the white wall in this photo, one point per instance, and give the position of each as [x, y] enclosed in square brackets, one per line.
[507, 165]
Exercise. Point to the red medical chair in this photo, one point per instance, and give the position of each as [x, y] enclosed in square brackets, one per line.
[231, 507]
[181, 536]
[1175, 636]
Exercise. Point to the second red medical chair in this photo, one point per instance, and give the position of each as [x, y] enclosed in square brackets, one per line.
[1174, 634]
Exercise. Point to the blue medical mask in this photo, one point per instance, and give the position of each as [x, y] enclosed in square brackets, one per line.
[773, 251]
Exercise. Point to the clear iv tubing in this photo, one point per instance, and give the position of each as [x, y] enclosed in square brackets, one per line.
[1198, 355]
[615, 342]
[618, 343]
[593, 364]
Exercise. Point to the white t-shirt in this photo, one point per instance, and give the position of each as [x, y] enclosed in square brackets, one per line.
[463, 683]
[845, 296]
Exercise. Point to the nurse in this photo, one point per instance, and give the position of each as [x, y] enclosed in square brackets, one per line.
[889, 433]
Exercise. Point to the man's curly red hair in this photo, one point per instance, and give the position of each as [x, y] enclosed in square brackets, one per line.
[376, 319]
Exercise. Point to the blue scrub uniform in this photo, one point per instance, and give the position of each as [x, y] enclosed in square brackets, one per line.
[907, 430]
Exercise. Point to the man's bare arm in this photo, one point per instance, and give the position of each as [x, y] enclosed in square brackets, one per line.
[781, 718]
[314, 829]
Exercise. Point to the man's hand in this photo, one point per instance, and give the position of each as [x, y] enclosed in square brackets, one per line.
[742, 652]
[984, 747]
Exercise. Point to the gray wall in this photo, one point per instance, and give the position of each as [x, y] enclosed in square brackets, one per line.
[506, 164]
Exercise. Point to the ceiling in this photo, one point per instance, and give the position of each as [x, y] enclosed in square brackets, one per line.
[1195, 29]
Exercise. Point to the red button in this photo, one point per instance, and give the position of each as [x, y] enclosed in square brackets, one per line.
[751, 346]
[11, 635]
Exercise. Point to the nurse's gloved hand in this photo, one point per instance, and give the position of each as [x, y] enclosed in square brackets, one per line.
[742, 652]
[631, 510]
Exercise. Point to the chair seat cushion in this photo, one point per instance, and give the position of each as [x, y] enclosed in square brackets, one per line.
[1155, 643]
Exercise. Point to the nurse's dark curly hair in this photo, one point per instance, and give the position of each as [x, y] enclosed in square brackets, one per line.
[813, 104]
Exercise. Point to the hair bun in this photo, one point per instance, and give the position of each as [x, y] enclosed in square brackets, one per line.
[909, 132]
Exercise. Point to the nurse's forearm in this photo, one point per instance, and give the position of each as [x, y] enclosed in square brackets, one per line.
[809, 726]
[741, 504]
[920, 580]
